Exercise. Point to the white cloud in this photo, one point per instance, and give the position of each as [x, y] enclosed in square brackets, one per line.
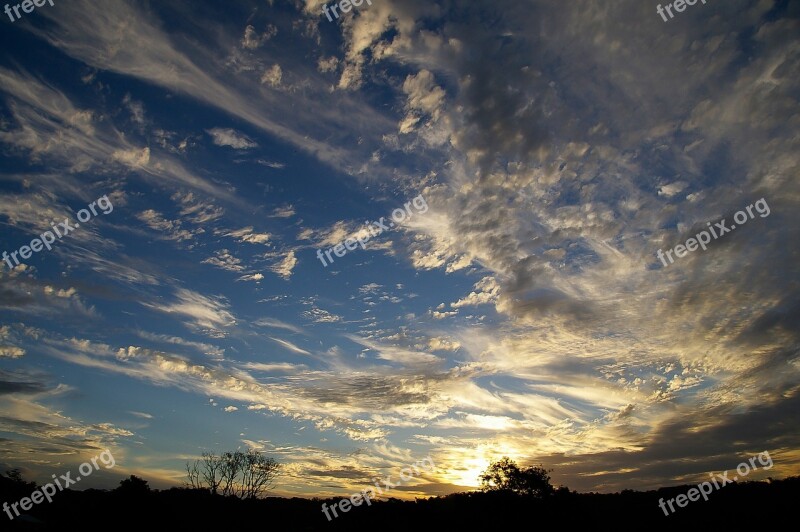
[327, 64]
[196, 210]
[231, 137]
[49, 290]
[290, 346]
[224, 260]
[287, 211]
[271, 164]
[209, 314]
[136, 109]
[170, 229]
[251, 40]
[319, 315]
[443, 344]
[251, 277]
[286, 265]
[246, 234]
[273, 76]
[207, 349]
[9, 351]
[486, 291]
[133, 158]
[278, 324]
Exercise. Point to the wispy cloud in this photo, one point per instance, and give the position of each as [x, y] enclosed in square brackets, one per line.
[290, 346]
[206, 313]
[231, 137]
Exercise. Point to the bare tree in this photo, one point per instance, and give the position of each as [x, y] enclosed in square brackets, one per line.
[246, 475]
[258, 474]
[232, 464]
[193, 473]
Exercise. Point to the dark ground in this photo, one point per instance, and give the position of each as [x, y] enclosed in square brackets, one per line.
[770, 506]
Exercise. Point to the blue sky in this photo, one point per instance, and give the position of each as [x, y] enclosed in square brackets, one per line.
[523, 311]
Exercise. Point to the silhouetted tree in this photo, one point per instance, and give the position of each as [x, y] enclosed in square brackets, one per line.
[133, 486]
[206, 473]
[245, 475]
[13, 480]
[258, 474]
[231, 464]
[15, 475]
[505, 475]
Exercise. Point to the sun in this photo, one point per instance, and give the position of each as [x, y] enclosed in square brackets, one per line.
[468, 476]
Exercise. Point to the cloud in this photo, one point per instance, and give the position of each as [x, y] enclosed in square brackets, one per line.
[133, 158]
[135, 108]
[424, 97]
[286, 265]
[152, 55]
[273, 77]
[271, 164]
[443, 344]
[223, 260]
[269, 322]
[207, 349]
[206, 313]
[170, 229]
[49, 290]
[486, 291]
[36, 428]
[232, 138]
[319, 315]
[287, 211]
[251, 40]
[401, 356]
[247, 234]
[290, 346]
[328, 64]
[196, 210]
[8, 351]
[251, 277]
[278, 367]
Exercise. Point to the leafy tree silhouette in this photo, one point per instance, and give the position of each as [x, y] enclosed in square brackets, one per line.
[133, 486]
[505, 476]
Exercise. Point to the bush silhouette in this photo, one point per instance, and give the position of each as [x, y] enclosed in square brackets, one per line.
[133, 486]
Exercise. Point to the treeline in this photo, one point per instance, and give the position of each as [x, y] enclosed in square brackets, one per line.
[739, 506]
[226, 491]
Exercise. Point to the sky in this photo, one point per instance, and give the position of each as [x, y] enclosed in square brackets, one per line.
[528, 299]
